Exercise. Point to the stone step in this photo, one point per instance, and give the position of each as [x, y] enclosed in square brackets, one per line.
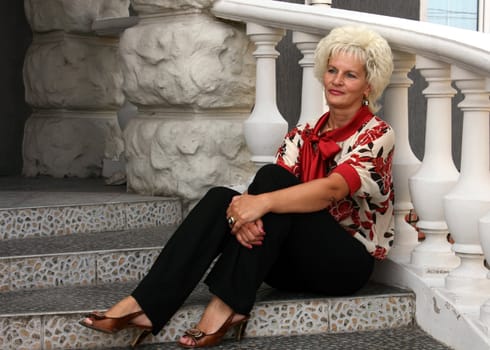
[402, 338]
[82, 259]
[60, 232]
[55, 207]
[48, 318]
[68, 247]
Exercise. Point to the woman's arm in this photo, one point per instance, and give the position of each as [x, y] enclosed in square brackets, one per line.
[306, 197]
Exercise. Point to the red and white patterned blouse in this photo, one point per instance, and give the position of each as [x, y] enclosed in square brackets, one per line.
[365, 161]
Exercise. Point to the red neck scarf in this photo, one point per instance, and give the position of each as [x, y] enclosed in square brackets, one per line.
[318, 148]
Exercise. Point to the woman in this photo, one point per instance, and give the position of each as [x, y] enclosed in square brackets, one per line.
[313, 222]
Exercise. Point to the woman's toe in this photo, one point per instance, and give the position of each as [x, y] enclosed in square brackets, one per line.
[185, 340]
[87, 321]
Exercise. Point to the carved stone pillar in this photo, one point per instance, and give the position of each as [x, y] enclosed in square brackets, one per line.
[405, 164]
[436, 176]
[469, 200]
[73, 84]
[192, 78]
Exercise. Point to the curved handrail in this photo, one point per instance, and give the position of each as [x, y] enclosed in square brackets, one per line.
[464, 48]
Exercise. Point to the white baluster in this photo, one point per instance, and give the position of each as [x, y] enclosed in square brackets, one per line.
[312, 96]
[404, 163]
[469, 200]
[266, 127]
[484, 229]
[436, 176]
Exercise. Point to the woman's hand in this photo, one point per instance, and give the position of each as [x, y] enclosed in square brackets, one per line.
[244, 209]
[251, 233]
[246, 224]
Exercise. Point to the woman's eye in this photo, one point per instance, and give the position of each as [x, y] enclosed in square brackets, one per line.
[351, 75]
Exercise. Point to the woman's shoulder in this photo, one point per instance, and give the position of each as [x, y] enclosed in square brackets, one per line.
[303, 127]
[375, 133]
[376, 120]
[380, 126]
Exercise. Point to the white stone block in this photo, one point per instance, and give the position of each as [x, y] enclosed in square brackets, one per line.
[188, 62]
[185, 158]
[71, 16]
[73, 72]
[73, 144]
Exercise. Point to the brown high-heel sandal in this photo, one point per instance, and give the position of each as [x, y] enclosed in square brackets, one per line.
[202, 340]
[103, 323]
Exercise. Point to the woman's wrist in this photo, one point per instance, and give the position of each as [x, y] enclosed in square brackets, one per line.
[266, 200]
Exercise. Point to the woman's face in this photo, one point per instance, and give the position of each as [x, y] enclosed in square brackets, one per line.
[345, 82]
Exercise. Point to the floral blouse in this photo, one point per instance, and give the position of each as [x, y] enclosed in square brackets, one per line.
[365, 161]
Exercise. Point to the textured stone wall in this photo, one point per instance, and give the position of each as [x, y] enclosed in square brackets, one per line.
[190, 61]
[67, 71]
[73, 83]
[184, 158]
[188, 78]
[192, 78]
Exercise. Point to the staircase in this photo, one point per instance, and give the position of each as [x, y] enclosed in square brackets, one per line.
[70, 246]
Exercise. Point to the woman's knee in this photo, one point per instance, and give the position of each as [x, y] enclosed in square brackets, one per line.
[271, 177]
[220, 193]
[269, 170]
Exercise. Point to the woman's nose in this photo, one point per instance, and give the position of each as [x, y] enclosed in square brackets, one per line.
[338, 80]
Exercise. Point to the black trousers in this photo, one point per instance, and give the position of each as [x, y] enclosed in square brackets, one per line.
[301, 252]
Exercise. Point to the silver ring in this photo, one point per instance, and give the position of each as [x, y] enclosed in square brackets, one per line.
[231, 221]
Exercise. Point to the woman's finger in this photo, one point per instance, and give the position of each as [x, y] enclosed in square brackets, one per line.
[250, 231]
[251, 234]
[242, 241]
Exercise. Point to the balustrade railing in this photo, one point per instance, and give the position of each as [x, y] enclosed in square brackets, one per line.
[446, 201]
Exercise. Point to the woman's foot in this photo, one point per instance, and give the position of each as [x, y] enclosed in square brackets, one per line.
[217, 316]
[124, 308]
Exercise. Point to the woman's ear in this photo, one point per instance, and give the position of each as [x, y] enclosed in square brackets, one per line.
[367, 91]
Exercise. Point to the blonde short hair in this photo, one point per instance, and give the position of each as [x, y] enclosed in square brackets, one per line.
[364, 44]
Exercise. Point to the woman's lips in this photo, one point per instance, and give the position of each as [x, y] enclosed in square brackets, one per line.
[335, 92]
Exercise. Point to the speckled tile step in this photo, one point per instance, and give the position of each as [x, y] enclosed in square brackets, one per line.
[83, 259]
[48, 319]
[50, 212]
[409, 337]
